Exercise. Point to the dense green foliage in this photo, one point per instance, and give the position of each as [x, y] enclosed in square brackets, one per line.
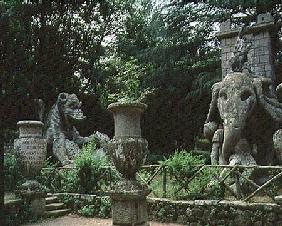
[164, 54]
[109, 50]
[89, 206]
[91, 170]
[89, 175]
[12, 173]
[183, 166]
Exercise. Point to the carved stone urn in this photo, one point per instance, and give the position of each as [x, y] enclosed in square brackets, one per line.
[128, 151]
[30, 147]
[31, 151]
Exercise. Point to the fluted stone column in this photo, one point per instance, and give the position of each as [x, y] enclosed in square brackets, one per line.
[128, 151]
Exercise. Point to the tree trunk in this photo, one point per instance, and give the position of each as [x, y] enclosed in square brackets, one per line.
[2, 215]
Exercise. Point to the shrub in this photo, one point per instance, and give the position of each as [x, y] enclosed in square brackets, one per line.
[69, 180]
[91, 169]
[87, 211]
[105, 207]
[19, 215]
[49, 176]
[89, 206]
[13, 176]
[182, 166]
[89, 174]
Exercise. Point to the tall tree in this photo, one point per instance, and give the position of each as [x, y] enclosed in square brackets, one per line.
[175, 44]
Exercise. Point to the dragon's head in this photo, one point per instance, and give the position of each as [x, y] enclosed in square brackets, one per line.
[70, 107]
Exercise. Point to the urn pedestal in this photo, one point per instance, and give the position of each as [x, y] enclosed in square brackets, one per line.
[128, 151]
[31, 152]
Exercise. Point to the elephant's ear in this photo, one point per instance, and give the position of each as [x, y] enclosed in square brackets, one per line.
[266, 99]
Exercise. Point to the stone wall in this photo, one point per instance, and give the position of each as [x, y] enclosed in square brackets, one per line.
[205, 212]
[214, 212]
[261, 54]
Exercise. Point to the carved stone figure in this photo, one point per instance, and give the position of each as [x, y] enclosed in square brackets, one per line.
[62, 136]
[239, 61]
[216, 153]
[248, 110]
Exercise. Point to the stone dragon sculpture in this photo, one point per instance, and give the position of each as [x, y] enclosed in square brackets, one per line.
[64, 140]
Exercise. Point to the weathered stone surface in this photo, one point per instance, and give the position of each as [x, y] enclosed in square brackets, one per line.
[127, 118]
[277, 141]
[128, 151]
[35, 198]
[58, 213]
[237, 101]
[131, 210]
[260, 34]
[63, 138]
[38, 206]
[221, 213]
[278, 199]
[30, 147]
[128, 154]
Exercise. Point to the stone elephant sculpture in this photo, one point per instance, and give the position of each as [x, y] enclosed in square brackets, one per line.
[248, 109]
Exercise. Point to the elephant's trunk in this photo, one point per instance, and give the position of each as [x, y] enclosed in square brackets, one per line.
[232, 135]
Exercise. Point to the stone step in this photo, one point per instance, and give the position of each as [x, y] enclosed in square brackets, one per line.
[55, 206]
[51, 199]
[57, 213]
[278, 199]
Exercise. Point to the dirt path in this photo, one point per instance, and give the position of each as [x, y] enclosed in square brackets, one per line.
[74, 220]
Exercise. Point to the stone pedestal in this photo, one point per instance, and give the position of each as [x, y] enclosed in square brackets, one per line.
[128, 151]
[36, 201]
[129, 208]
[31, 150]
[30, 147]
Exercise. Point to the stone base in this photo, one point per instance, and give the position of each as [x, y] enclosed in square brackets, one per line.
[35, 198]
[129, 208]
[37, 207]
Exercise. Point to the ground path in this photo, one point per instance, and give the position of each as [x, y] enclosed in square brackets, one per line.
[74, 220]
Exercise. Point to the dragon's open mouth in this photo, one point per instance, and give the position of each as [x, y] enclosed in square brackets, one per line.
[77, 116]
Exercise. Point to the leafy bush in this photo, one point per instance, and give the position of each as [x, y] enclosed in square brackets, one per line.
[182, 166]
[50, 176]
[89, 206]
[87, 211]
[105, 207]
[91, 169]
[13, 176]
[90, 173]
[69, 181]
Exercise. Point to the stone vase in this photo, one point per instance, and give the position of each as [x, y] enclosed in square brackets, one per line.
[30, 147]
[128, 151]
